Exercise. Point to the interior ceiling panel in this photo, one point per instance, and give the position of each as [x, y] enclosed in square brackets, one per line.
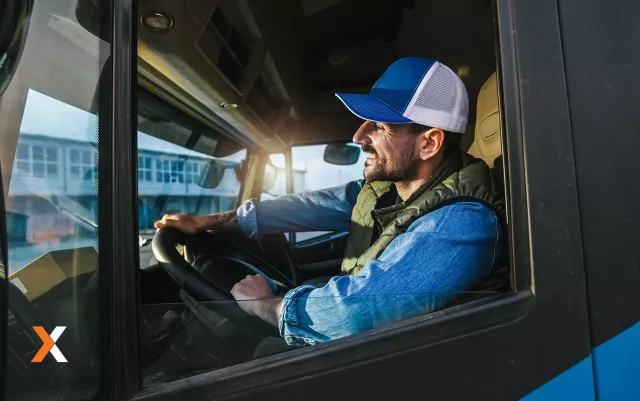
[320, 47]
[349, 44]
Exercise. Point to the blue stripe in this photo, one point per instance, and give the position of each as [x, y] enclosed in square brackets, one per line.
[576, 383]
[617, 366]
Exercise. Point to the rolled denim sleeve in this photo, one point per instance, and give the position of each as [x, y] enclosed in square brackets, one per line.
[442, 254]
[323, 210]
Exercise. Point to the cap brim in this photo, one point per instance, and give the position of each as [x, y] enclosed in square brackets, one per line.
[368, 108]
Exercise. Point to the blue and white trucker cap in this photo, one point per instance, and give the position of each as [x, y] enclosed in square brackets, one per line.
[415, 90]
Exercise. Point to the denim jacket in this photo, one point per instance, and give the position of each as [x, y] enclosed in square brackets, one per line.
[442, 254]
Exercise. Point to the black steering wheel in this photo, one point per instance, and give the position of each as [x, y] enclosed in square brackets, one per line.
[214, 261]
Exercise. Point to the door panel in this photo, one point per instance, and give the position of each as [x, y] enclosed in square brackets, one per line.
[602, 58]
[320, 256]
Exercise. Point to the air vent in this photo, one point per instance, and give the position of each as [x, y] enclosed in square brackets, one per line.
[231, 53]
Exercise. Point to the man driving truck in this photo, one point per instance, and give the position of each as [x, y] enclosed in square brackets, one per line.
[424, 225]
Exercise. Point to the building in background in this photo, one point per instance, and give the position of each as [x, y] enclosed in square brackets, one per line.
[53, 174]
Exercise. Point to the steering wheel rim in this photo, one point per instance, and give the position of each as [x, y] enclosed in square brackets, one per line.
[225, 258]
[188, 278]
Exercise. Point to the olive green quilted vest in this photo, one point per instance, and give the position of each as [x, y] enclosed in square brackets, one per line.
[377, 218]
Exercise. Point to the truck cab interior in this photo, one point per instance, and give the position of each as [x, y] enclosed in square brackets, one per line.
[265, 74]
[227, 92]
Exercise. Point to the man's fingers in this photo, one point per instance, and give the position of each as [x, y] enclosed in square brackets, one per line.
[168, 220]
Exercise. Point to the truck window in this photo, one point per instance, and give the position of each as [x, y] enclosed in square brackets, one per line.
[192, 329]
[50, 139]
[169, 179]
[316, 173]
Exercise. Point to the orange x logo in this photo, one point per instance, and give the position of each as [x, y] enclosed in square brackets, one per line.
[49, 344]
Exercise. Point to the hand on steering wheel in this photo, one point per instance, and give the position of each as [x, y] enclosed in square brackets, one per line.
[224, 259]
[195, 224]
[254, 296]
[183, 222]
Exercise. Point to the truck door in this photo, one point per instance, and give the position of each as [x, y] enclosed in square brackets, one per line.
[604, 93]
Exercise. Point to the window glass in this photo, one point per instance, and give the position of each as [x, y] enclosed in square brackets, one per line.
[311, 172]
[50, 136]
[168, 177]
[182, 339]
[183, 335]
[275, 177]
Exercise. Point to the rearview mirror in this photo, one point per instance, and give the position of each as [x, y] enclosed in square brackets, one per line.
[341, 154]
[211, 175]
[14, 25]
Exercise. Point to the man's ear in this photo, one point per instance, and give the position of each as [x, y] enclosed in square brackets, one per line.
[431, 143]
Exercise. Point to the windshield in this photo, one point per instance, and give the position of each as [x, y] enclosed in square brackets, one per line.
[168, 178]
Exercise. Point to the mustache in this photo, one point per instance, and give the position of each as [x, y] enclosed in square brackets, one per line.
[369, 149]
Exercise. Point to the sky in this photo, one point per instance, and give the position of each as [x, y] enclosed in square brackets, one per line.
[321, 174]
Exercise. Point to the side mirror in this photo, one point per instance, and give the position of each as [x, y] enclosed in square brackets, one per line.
[211, 175]
[14, 26]
[341, 154]
[270, 177]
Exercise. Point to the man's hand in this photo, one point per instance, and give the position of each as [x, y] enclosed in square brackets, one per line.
[195, 224]
[183, 222]
[255, 297]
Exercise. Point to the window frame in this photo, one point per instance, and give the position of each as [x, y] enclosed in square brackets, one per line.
[120, 263]
[419, 331]
[423, 330]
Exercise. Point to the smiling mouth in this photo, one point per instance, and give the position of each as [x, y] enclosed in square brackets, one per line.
[370, 160]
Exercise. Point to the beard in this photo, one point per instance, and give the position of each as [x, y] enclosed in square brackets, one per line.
[399, 169]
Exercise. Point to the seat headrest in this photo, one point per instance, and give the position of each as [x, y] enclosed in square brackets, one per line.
[487, 143]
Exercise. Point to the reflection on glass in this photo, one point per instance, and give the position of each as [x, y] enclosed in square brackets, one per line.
[168, 176]
[49, 150]
[318, 174]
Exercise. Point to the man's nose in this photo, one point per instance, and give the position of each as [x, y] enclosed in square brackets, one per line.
[362, 134]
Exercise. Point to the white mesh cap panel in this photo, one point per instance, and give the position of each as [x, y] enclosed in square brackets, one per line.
[440, 101]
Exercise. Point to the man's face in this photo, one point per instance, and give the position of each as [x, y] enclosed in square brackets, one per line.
[391, 151]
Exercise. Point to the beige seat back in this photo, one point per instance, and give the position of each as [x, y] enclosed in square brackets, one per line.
[486, 144]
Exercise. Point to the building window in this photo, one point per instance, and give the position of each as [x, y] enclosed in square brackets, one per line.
[82, 164]
[144, 169]
[193, 172]
[163, 173]
[177, 171]
[171, 171]
[39, 161]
